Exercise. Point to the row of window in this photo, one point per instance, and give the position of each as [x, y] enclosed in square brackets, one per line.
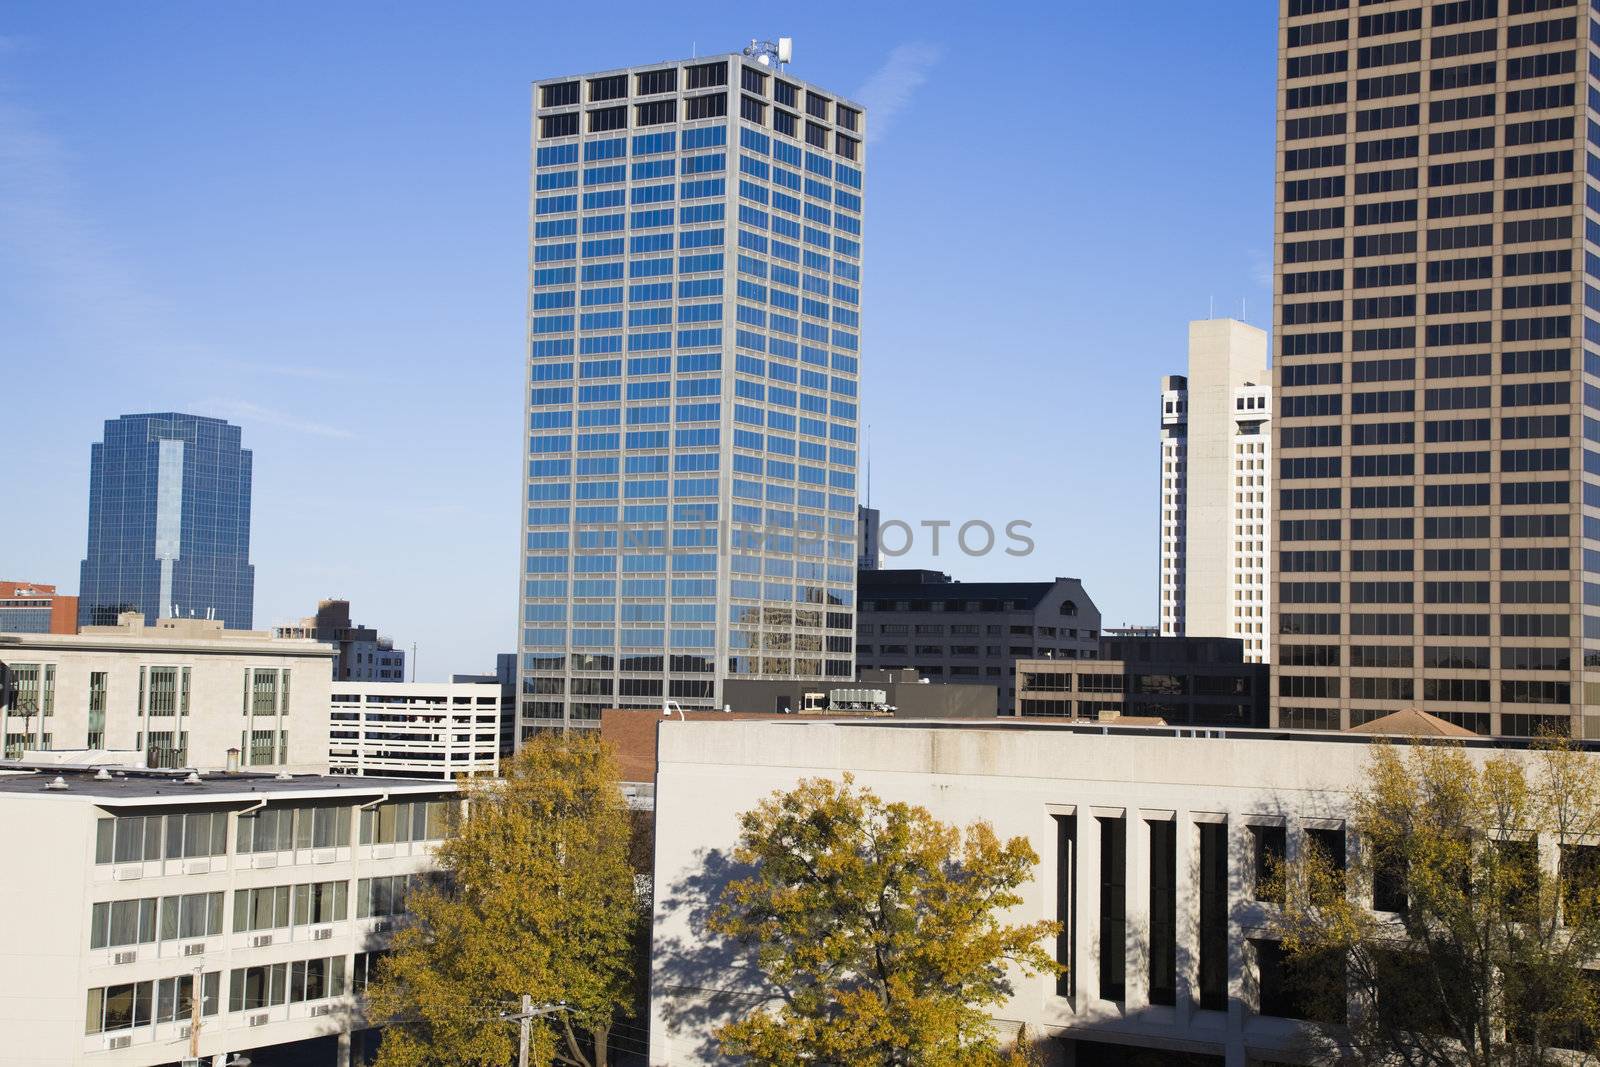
[144, 838]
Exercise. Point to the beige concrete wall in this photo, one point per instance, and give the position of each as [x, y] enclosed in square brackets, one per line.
[1017, 778]
[1224, 354]
[217, 667]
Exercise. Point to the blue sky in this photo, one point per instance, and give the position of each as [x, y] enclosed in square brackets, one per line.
[310, 219]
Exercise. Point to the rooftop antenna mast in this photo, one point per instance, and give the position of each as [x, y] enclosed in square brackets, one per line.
[767, 53]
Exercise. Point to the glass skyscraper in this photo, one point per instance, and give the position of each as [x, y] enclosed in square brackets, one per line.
[169, 522]
[693, 367]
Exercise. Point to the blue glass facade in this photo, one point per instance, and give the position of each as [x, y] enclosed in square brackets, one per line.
[693, 368]
[169, 522]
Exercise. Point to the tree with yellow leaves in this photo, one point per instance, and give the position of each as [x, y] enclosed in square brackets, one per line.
[1465, 928]
[536, 896]
[880, 930]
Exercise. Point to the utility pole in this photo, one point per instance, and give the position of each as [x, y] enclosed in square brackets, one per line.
[194, 1013]
[526, 1023]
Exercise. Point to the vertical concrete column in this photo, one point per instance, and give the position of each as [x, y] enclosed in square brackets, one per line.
[342, 1057]
[1138, 904]
[1188, 918]
[1241, 859]
[1087, 948]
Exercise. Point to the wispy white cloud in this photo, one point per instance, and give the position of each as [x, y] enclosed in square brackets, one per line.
[55, 250]
[890, 90]
[1261, 267]
[244, 411]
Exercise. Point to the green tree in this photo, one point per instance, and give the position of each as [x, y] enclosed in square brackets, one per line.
[879, 929]
[1466, 923]
[536, 896]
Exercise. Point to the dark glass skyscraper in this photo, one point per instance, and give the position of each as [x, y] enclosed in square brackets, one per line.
[169, 522]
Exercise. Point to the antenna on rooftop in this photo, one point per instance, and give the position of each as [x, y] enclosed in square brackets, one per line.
[767, 53]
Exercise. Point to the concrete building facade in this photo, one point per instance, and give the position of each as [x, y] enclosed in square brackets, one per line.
[694, 325]
[182, 693]
[1216, 463]
[277, 893]
[414, 729]
[1150, 844]
[36, 608]
[1438, 366]
[970, 632]
[363, 654]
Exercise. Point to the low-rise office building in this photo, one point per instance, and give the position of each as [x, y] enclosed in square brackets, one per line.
[1184, 681]
[903, 693]
[36, 608]
[363, 653]
[182, 691]
[274, 893]
[1150, 847]
[415, 729]
[970, 632]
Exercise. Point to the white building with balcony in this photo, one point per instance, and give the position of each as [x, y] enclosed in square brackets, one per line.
[125, 885]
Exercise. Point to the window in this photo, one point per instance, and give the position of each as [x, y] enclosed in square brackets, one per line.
[281, 829]
[403, 820]
[651, 82]
[602, 119]
[258, 987]
[132, 839]
[316, 979]
[562, 94]
[384, 895]
[1269, 843]
[123, 922]
[1213, 915]
[1066, 900]
[710, 106]
[1163, 912]
[119, 1007]
[194, 835]
[173, 1003]
[97, 710]
[706, 75]
[138, 838]
[1113, 908]
[191, 915]
[320, 902]
[612, 87]
[365, 970]
[265, 908]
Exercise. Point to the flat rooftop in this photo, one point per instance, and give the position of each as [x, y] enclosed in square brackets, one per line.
[127, 784]
[1112, 728]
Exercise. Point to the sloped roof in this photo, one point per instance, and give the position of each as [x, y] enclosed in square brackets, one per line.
[1412, 722]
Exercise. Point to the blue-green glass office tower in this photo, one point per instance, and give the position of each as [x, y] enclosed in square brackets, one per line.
[169, 522]
[694, 319]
